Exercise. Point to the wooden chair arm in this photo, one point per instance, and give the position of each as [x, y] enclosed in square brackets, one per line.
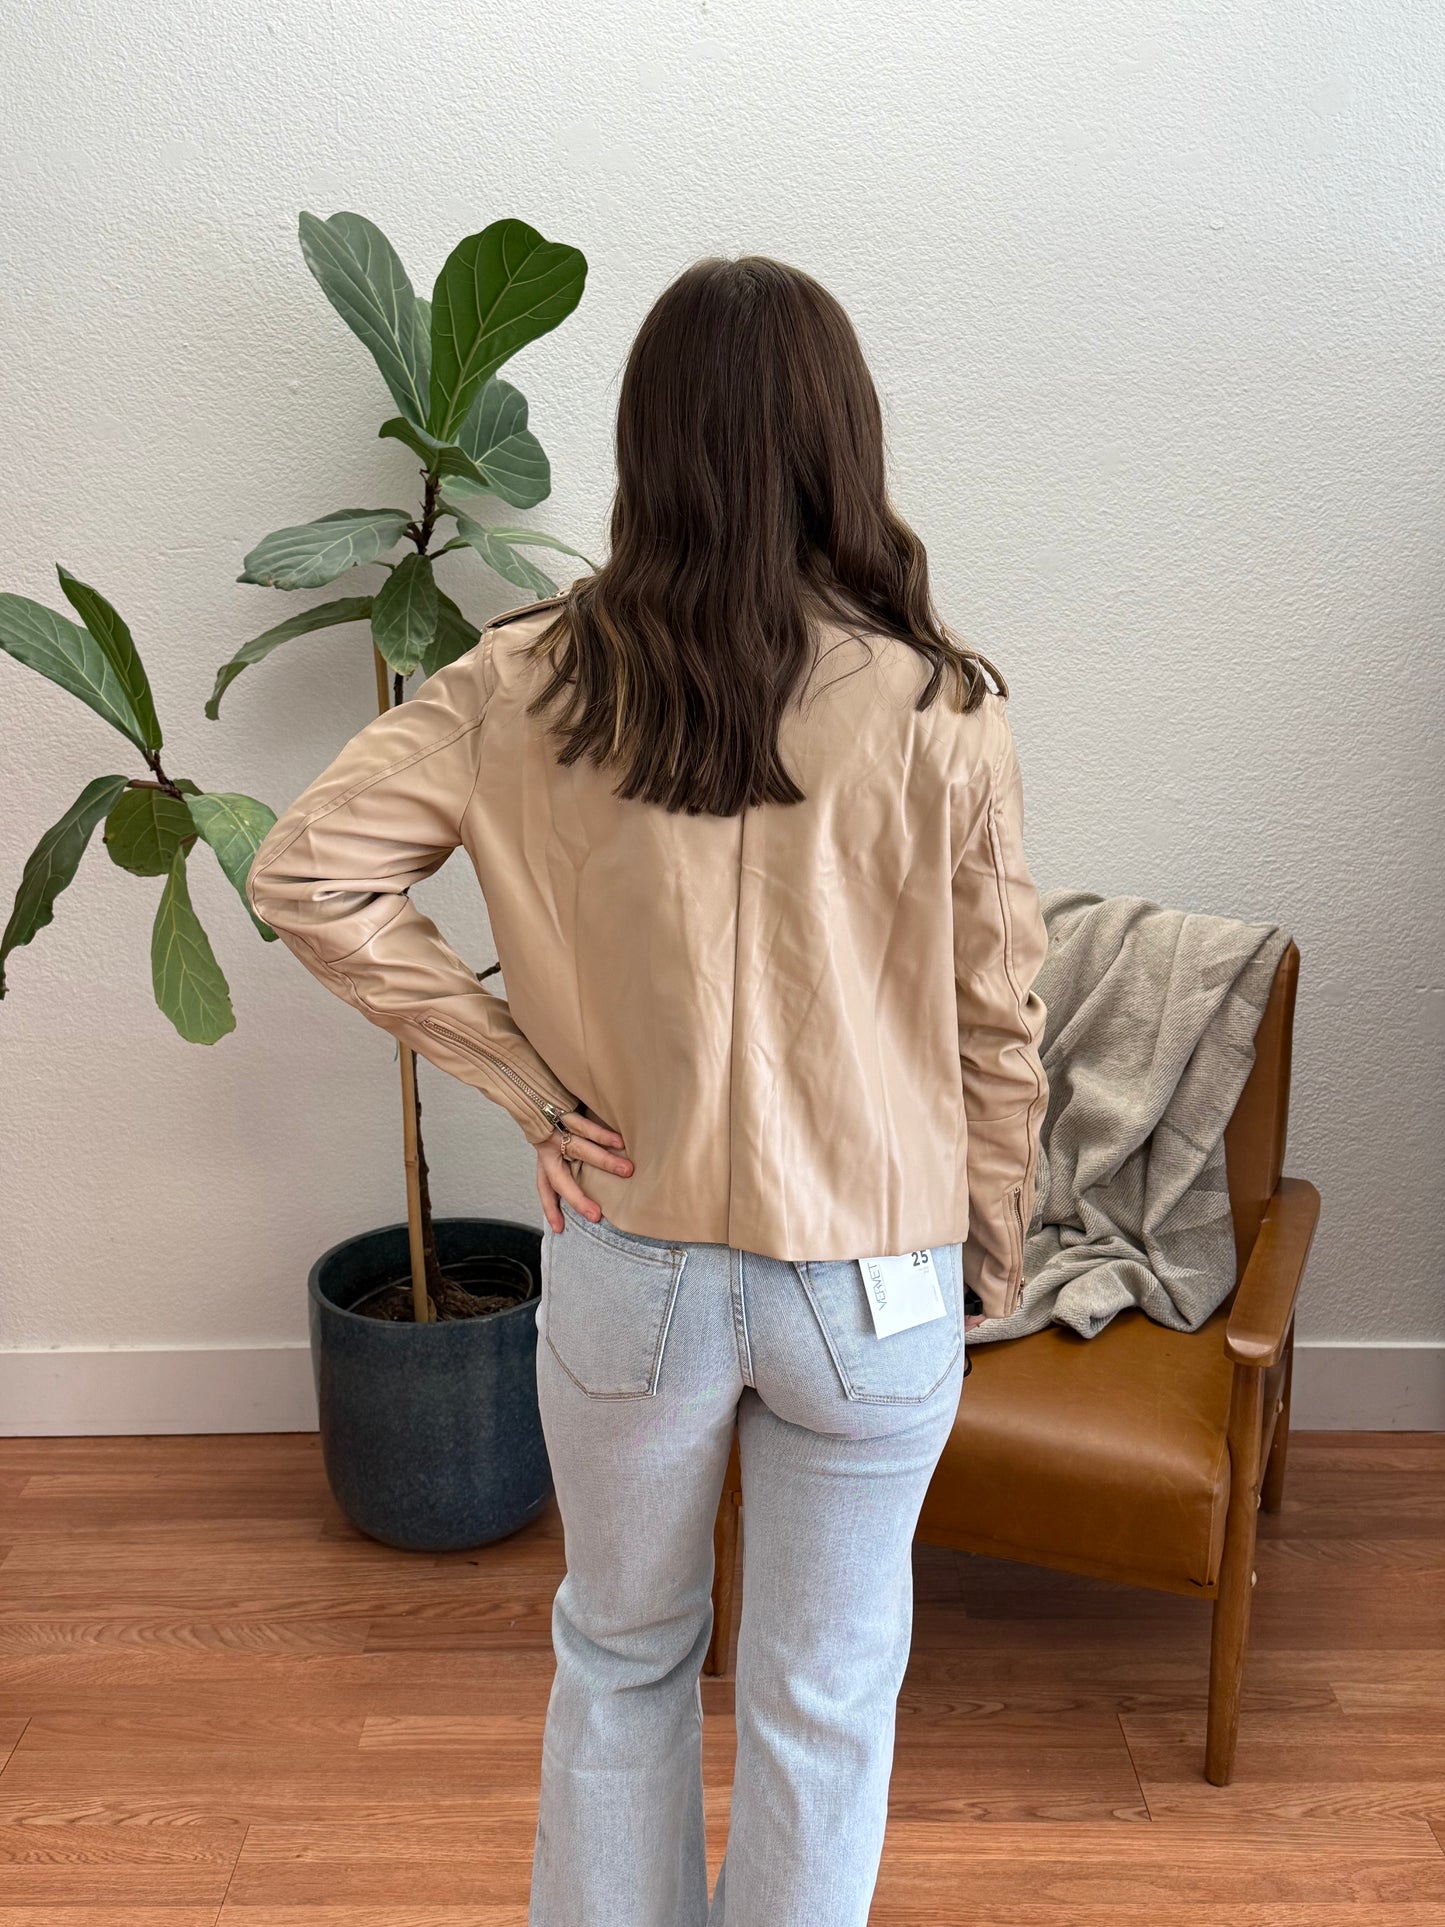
[1259, 1318]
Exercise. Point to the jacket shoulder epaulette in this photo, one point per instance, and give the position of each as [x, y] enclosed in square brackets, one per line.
[525, 609]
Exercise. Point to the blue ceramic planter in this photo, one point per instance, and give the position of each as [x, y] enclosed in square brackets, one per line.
[430, 1433]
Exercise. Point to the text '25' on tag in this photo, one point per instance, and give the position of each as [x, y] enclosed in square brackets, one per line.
[902, 1292]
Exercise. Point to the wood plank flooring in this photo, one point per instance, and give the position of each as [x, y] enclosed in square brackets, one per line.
[221, 1707]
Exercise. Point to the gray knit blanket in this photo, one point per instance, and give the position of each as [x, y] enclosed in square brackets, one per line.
[1148, 1041]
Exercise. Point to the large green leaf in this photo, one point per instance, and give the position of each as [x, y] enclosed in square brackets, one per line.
[399, 429]
[325, 615]
[495, 453]
[497, 291]
[404, 614]
[189, 985]
[539, 539]
[496, 437]
[145, 829]
[119, 648]
[53, 862]
[502, 557]
[454, 636]
[70, 657]
[362, 277]
[498, 548]
[441, 458]
[468, 492]
[234, 827]
[315, 553]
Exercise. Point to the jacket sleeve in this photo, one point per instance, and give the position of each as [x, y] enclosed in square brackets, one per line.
[333, 874]
[999, 944]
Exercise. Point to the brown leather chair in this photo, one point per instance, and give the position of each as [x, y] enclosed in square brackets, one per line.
[1140, 1455]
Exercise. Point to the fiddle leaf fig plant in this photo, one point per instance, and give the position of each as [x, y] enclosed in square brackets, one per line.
[497, 291]
[152, 822]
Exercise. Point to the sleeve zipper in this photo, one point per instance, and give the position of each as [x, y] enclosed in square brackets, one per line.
[554, 1113]
[1016, 1225]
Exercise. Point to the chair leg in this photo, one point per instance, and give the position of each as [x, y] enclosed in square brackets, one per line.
[724, 1583]
[1271, 1491]
[1229, 1634]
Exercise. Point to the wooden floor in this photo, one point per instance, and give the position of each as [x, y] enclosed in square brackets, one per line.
[220, 1704]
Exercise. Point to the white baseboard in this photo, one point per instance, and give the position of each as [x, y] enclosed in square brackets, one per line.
[268, 1388]
[65, 1394]
[1368, 1388]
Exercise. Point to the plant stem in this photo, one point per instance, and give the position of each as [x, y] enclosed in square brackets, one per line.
[411, 1153]
[428, 1224]
[426, 1269]
[429, 512]
[418, 1215]
[162, 781]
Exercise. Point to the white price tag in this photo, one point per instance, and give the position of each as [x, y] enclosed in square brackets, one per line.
[902, 1292]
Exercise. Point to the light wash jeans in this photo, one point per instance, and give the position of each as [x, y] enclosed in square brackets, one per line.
[647, 1353]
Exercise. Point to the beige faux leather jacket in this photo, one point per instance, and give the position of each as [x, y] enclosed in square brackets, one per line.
[813, 1024]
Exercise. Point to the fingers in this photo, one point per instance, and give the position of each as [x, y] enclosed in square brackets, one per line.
[551, 1211]
[594, 1129]
[588, 1142]
[582, 1150]
[552, 1172]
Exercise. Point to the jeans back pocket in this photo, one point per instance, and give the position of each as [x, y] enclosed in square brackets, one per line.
[607, 1302]
[906, 1367]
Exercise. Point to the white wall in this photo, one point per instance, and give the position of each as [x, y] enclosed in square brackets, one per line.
[1153, 294]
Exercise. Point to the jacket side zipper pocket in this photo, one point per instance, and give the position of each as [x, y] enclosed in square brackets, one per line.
[553, 1113]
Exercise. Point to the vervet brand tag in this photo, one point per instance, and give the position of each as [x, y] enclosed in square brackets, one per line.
[902, 1292]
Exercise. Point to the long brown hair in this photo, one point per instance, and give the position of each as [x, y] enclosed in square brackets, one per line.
[751, 494]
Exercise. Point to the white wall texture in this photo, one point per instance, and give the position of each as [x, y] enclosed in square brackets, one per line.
[1153, 294]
